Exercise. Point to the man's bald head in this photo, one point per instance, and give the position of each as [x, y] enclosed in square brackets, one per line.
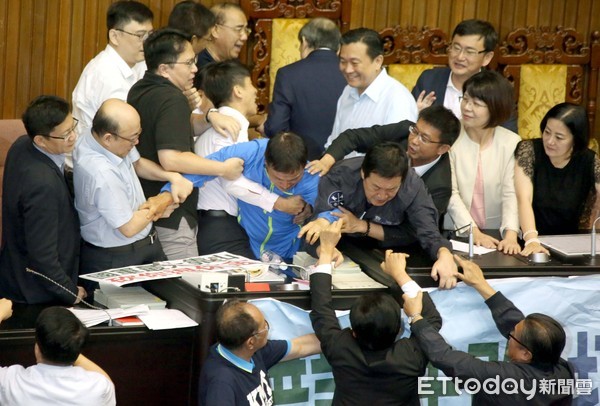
[116, 126]
[237, 321]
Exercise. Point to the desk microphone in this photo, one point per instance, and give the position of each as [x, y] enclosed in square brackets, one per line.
[471, 245]
[593, 250]
[110, 319]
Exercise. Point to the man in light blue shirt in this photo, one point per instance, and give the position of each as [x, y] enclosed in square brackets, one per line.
[116, 220]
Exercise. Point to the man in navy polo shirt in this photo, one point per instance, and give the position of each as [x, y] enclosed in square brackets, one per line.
[235, 372]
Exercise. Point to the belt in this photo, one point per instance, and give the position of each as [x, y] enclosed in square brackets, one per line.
[148, 240]
[214, 213]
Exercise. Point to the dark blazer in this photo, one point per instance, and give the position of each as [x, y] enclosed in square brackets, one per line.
[40, 229]
[305, 99]
[364, 377]
[436, 80]
[460, 364]
[438, 178]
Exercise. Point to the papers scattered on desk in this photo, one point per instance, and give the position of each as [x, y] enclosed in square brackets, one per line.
[92, 317]
[355, 281]
[221, 262]
[166, 319]
[464, 247]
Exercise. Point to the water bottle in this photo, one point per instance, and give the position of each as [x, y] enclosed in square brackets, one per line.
[276, 263]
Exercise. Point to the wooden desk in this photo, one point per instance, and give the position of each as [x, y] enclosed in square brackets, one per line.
[148, 367]
[495, 264]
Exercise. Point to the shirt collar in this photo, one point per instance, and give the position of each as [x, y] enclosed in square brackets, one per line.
[239, 117]
[235, 360]
[96, 146]
[420, 170]
[374, 90]
[125, 69]
[58, 159]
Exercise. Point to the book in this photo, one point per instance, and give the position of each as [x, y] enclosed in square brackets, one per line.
[129, 321]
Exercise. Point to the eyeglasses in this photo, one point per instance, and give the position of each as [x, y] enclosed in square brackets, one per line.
[266, 329]
[142, 35]
[67, 135]
[519, 342]
[132, 141]
[474, 104]
[422, 137]
[456, 49]
[189, 63]
[240, 29]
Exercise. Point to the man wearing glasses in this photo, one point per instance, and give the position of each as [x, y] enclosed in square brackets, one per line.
[116, 220]
[121, 64]
[535, 344]
[167, 135]
[40, 226]
[426, 142]
[227, 36]
[235, 371]
[471, 49]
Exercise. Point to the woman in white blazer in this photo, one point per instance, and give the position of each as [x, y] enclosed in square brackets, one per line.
[482, 161]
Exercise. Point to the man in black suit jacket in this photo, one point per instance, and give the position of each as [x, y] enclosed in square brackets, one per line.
[306, 92]
[369, 365]
[41, 228]
[472, 49]
[426, 142]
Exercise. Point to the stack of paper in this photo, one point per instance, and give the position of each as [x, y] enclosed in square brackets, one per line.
[117, 297]
[166, 319]
[91, 317]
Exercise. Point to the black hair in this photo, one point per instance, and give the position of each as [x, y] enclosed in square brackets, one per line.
[495, 91]
[387, 159]
[443, 120]
[368, 37]
[544, 337]
[44, 113]
[103, 123]
[375, 320]
[234, 324]
[575, 118]
[59, 335]
[217, 80]
[120, 13]
[478, 27]
[164, 46]
[286, 152]
[192, 18]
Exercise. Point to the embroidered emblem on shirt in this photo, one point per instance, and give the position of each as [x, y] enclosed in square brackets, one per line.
[336, 199]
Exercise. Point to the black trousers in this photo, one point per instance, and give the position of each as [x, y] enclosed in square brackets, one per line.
[219, 231]
[96, 259]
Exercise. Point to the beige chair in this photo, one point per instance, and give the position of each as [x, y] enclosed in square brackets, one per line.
[10, 130]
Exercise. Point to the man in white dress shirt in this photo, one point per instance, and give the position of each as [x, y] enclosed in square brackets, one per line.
[371, 96]
[114, 70]
[229, 86]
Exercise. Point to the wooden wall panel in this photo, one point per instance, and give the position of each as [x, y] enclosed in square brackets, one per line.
[45, 44]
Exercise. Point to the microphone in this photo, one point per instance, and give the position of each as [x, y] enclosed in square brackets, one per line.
[110, 319]
[593, 250]
[471, 243]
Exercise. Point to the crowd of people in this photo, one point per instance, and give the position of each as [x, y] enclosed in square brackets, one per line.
[154, 162]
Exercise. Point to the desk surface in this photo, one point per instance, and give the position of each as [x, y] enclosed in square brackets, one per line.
[495, 264]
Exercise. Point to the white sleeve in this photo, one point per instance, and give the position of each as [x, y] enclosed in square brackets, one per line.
[250, 192]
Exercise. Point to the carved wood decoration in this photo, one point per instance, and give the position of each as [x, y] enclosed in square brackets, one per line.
[413, 45]
[260, 14]
[545, 45]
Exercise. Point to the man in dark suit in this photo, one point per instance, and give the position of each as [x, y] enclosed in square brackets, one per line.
[41, 228]
[471, 49]
[426, 142]
[306, 92]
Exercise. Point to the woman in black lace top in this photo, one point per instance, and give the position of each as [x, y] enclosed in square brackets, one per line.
[555, 176]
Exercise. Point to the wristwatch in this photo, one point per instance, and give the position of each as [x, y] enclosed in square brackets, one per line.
[412, 318]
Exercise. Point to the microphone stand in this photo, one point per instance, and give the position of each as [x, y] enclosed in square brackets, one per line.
[593, 241]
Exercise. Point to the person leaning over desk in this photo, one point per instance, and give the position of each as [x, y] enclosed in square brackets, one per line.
[555, 177]
[535, 344]
[369, 365]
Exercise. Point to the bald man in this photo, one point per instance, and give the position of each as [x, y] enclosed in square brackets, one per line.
[116, 220]
[236, 369]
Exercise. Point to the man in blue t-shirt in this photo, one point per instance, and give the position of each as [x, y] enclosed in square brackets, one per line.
[235, 372]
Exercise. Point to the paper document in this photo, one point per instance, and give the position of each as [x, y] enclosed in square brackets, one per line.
[92, 317]
[166, 319]
[464, 247]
